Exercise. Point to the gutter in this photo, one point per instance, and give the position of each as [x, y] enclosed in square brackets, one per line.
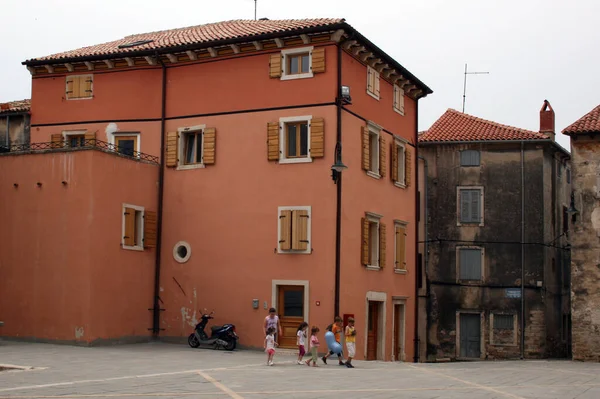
[159, 213]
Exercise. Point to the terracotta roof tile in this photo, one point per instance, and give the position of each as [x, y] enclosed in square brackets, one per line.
[456, 126]
[589, 123]
[15, 106]
[195, 35]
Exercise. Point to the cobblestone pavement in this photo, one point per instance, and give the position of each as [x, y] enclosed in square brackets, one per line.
[159, 370]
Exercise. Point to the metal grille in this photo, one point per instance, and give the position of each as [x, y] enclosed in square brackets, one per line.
[504, 321]
[86, 144]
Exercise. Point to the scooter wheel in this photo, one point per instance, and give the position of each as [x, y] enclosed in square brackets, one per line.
[193, 341]
[231, 344]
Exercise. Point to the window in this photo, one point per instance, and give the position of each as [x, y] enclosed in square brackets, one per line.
[373, 241]
[470, 205]
[503, 331]
[127, 143]
[297, 63]
[373, 151]
[400, 246]
[139, 228]
[470, 263]
[372, 83]
[73, 139]
[191, 147]
[469, 158]
[79, 86]
[398, 100]
[295, 139]
[400, 164]
[294, 229]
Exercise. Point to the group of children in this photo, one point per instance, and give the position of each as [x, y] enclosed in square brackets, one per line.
[334, 347]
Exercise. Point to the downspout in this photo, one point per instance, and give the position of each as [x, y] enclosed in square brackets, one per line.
[426, 238]
[416, 339]
[161, 176]
[338, 209]
[522, 251]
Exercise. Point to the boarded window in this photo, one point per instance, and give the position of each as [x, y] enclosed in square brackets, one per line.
[469, 158]
[294, 230]
[503, 329]
[470, 264]
[504, 321]
[470, 205]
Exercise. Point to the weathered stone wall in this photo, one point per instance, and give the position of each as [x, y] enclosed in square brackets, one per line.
[19, 129]
[585, 249]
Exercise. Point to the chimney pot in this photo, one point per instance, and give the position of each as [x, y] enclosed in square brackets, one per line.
[547, 120]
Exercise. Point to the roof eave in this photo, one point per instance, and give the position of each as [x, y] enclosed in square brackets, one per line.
[485, 141]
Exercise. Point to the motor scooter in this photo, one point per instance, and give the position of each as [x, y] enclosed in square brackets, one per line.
[221, 336]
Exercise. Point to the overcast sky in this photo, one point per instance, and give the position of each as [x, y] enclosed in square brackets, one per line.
[533, 49]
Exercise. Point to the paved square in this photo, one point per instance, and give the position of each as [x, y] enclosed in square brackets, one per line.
[159, 370]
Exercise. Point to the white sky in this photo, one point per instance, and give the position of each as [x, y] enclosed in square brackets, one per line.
[533, 49]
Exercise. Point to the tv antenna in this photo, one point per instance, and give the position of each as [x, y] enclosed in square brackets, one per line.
[255, 1]
[465, 84]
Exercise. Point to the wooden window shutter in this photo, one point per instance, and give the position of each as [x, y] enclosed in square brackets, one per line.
[56, 141]
[376, 83]
[382, 245]
[129, 236]
[475, 202]
[317, 138]
[396, 94]
[172, 149]
[149, 229]
[370, 80]
[366, 159]
[275, 65]
[285, 227]
[69, 93]
[318, 60]
[465, 199]
[401, 100]
[400, 247]
[209, 142]
[90, 138]
[300, 230]
[364, 253]
[85, 86]
[273, 141]
[394, 157]
[407, 166]
[382, 156]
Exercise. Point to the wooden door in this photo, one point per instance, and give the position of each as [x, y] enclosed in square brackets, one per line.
[470, 335]
[399, 332]
[372, 330]
[290, 306]
[126, 145]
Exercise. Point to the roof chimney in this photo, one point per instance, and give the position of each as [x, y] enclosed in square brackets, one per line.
[547, 120]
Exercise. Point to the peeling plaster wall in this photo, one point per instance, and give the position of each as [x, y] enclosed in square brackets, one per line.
[585, 252]
[19, 127]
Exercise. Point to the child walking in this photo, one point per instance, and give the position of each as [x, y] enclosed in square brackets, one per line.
[336, 329]
[314, 346]
[350, 334]
[270, 345]
[300, 340]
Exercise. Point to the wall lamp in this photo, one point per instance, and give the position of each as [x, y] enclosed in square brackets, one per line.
[345, 92]
[338, 166]
[572, 210]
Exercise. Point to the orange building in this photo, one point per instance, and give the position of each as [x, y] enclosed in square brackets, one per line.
[246, 119]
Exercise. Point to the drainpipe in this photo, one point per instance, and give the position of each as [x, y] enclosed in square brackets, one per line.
[522, 250]
[338, 209]
[159, 214]
[426, 240]
[416, 339]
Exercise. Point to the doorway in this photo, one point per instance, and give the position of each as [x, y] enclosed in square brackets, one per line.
[470, 335]
[399, 331]
[290, 306]
[373, 330]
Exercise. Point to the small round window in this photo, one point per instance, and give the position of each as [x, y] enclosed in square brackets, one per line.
[182, 251]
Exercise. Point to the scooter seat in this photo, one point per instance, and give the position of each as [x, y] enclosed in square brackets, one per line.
[215, 328]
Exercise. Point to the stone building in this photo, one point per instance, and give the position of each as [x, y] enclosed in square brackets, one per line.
[494, 202]
[585, 242]
[14, 123]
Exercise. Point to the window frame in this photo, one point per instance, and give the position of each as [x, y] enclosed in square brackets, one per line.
[81, 76]
[374, 130]
[373, 218]
[283, 122]
[459, 265]
[377, 77]
[67, 133]
[459, 222]
[399, 144]
[182, 132]
[469, 165]
[399, 97]
[308, 249]
[285, 54]
[114, 136]
[514, 329]
[139, 225]
[404, 225]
